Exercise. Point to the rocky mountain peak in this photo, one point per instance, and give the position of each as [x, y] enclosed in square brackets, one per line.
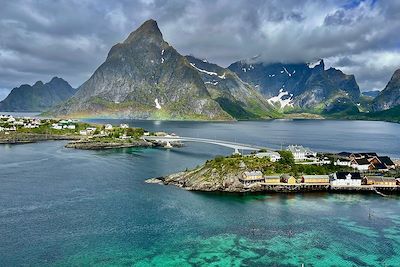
[38, 83]
[148, 30]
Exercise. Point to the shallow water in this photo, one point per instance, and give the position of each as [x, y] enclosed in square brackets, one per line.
[76, 208]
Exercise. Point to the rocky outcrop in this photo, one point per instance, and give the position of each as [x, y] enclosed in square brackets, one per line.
[144, 77]
[38, 97]
[100, 145]
[205, 179]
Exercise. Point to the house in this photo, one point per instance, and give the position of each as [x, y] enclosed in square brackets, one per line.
[288, 179]
[272, 179]
[346, 179]
[124, 136]
[387, 162]
[344, 155]
[342, 162]
[361, 164]
[90, 130]
[108, 127]
[251, 177]
[124, 126]
[273, 156]
[71, 127]
[83, 132]
[56, 126]
[380, 180]
[11, 120]
[315, 179]
[301, 153]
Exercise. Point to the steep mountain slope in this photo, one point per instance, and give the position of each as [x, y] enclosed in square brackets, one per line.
[38, 97]
[239, 99]
[390, 96]
[144, 77]
[304, 86]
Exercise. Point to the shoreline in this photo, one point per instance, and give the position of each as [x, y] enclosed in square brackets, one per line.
[282, 188]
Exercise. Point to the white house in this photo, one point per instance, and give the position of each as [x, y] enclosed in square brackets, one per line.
[56, 126]
[301, 153]
[124, 126]
[342, 162]
[90, 130]
[108, 127]
[71, 127]
[83, 132]
[11, 120]
[346, 179]
[273, 156]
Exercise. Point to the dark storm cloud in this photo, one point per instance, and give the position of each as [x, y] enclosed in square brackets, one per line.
[41, 39]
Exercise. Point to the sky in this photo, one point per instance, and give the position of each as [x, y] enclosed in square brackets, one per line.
[71, 38]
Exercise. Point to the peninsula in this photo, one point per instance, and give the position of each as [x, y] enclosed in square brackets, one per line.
[294, 170]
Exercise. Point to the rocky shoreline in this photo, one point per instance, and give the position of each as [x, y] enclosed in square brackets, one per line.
[98, 145]
[33, 138]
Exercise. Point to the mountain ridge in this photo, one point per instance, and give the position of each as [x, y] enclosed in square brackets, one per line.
[38, 97]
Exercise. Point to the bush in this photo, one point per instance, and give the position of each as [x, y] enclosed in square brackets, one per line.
[286, 157]
[219, 158]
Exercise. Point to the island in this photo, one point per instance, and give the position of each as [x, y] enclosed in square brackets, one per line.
[265, 172]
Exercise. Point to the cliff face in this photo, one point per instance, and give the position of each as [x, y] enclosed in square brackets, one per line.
[239, 99]
[390, 96]
[38, 97]
[144, 77]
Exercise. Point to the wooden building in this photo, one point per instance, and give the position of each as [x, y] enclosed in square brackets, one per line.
[288, 179]
[380, 180]
[251, 177]
[315, 179]
[273, 179]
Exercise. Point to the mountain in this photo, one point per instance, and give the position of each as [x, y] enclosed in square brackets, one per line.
[303, 85]
[373, 93]
[38, 97]
[236, 97]
[390, 96]
[144, 77]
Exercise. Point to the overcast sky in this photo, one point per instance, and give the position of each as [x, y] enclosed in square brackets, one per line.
[70, 38]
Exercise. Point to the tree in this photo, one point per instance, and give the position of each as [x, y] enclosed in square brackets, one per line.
[286, 157]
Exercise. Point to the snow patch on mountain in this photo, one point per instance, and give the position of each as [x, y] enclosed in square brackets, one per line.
[289, 74]
[158, 106]
[213, 82]
[281, 99]
[312, 65]
[208, 72]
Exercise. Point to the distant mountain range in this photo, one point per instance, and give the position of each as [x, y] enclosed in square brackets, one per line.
[146, 78]
[38, 97]
[301, 86]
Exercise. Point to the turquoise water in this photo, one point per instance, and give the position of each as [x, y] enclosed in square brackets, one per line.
[62, 207]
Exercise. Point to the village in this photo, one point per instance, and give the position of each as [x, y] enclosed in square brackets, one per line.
[84, 135]
[360, 171]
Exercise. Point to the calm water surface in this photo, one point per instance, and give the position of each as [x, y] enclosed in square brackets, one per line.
[63, 207]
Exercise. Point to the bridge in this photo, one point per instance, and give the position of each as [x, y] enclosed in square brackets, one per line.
[233, 145]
